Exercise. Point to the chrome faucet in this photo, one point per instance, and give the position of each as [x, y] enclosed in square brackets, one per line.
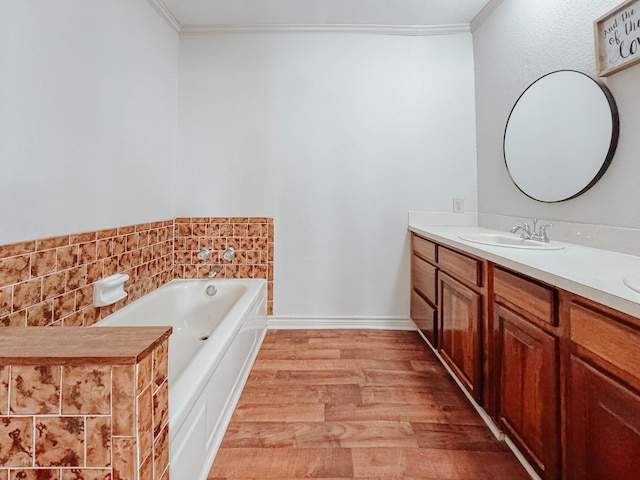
[536, 233]
[204, 254]
[214, 271]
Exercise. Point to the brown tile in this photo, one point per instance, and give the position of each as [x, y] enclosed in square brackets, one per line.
[126, 230]
[254, 229]
[104, 248]
[98, 441]
[35, 390]
[14, 270]
[143, 372]
[18, 319]
[40, 315]
[66, 257]
[6, 300]
[125, 465]
[94, 272]
[52, 242]
[131, 241]
[18, 433]
[84, 297]
[123, 393]
[86, 390]
[240, 229]
[4, 390]
[161, 451]
[88, 252]
[107, 233]
[145, 423]
[183, 220]
[90, 316]
[146, 469]
[119, 245]
[76, 319]
[76, 278]
[82, 237]
[64, 305]
[27, 294]
[59, 441]
[86, 474]
[226, 230]
[160, 363]
[160, 408]
[14, 249]
[54, 285]
[35, 474]
[143, 239]
[43, 262]
[4, 474]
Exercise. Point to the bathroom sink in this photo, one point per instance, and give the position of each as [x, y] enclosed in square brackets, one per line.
[510, 241]
[633, 281]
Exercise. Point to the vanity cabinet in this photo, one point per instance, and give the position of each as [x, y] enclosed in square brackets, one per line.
[424, 288]
[460, 326]
[558, 374]
[526, 368]
[603, 393]
[447, 305]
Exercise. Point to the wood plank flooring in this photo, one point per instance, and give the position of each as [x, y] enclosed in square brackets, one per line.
[356, 404]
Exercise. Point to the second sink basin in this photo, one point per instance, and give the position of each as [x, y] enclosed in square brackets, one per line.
[510, 241]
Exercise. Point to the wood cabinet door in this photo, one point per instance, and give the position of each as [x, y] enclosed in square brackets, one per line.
[460, 313]
[424, 316]
[603, 426]
[529, 395]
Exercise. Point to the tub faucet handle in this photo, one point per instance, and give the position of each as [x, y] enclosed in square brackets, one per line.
[204, 254]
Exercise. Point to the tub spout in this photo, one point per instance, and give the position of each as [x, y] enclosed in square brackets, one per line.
[214, 271]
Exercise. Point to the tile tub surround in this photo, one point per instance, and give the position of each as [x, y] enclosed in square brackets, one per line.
[86, 411]
[49, 281]
[251, 237]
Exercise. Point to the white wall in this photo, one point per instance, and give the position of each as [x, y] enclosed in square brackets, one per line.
[88, 95]
[521, 41]
[337, 137]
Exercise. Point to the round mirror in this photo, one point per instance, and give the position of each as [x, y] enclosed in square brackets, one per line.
[560, 136]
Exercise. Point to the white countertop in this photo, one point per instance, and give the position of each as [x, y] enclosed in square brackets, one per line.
[592, 273]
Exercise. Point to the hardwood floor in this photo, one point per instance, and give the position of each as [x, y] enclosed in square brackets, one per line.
[356, 404]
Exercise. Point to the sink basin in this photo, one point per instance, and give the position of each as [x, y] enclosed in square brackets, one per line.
[510, 241]
[633, 281]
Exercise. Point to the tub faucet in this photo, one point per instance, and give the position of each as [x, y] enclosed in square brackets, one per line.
[535, 233]
[204, 254]
[214, 271]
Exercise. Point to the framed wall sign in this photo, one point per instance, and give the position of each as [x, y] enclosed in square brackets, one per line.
[617, 38]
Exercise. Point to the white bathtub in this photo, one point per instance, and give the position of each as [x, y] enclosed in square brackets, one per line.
[206, 376]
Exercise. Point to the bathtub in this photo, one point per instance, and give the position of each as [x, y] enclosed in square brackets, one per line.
[214, 343]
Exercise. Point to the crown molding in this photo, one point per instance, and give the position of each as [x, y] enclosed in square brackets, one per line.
[165, 13]
[404, 30]
[485, 13]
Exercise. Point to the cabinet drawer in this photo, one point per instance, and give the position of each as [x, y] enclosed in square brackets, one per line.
[423, 275]
[424, 316]
[463, 267]
[603, 335]
[526, 296]
[424, 248]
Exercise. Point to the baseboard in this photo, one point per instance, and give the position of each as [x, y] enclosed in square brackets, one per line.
[358, 323]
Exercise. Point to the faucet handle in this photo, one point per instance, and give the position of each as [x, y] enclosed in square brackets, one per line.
[543, 231]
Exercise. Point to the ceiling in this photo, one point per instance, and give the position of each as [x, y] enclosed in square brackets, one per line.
[400, 13]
